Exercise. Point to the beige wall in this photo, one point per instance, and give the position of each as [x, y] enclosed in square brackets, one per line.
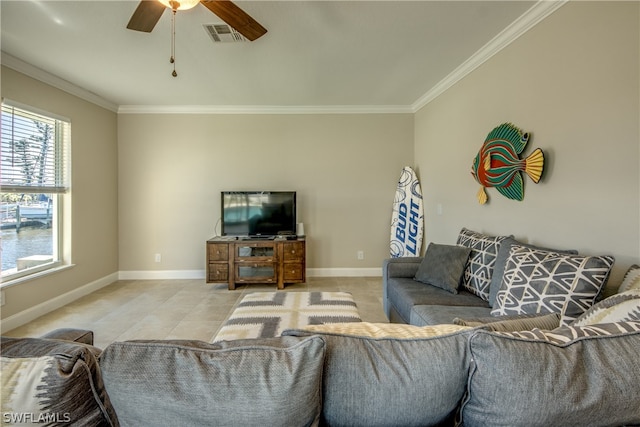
[173, 167]
[93, 186]
[145, 184]
[573, 82]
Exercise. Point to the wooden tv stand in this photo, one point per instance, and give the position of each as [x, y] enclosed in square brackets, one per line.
[238, 261]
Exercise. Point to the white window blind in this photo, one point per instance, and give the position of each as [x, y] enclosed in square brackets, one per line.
[33, 152]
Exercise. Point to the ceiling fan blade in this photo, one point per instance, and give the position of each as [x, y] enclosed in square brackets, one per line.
[146, 16]
[236, 18]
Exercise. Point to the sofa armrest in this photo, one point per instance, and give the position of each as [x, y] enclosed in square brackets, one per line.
[400, 267]
[518, 322]
[82, 336]
[403, 267]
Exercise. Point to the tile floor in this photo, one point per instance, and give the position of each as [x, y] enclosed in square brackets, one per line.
[180, 309]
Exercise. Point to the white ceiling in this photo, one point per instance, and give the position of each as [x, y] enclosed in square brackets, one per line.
[364, 54]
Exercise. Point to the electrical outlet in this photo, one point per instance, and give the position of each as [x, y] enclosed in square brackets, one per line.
[158, 258]
[360, 255]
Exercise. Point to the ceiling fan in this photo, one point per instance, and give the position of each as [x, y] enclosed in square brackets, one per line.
[148, 13]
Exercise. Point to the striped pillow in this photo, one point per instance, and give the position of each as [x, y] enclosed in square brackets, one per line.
[621, 307]
[631, 279]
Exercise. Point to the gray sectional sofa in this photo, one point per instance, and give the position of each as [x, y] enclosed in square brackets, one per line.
[442, 375]
[574, 366]
[483, 276]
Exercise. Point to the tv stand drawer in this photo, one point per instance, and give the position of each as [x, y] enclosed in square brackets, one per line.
[218, 272]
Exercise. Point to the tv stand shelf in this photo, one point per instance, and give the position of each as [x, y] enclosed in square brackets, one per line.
[239, 261]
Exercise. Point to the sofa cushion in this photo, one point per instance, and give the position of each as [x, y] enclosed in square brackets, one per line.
[193, 383]
[501, 261]
[479, 268]
[53, 382]
[442, 266]
[578, 376]
[378, 379]
[404, 293]
[620, 307]
[631, 279]
[538, 281]
[423, 315]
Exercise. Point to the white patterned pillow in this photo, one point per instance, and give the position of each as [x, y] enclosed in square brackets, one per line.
[538, 281]
[479, 268]
[53, 382]
[622, 307]
[631, 279]
[566, 334]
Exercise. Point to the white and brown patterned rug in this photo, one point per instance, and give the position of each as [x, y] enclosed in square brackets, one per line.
[267, 314]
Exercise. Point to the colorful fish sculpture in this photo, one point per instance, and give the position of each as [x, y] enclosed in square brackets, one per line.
[498, 164]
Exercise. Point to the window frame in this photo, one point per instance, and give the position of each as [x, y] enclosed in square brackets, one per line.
[60, 194]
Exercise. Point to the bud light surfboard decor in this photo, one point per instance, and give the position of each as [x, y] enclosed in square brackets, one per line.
[407, 220]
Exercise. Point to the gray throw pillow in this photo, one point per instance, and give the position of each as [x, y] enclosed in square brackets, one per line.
[442, 266]
[501, 260]
[255, 382]
[571, 376]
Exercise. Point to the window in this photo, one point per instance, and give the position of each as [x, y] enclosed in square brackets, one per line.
[33, 187]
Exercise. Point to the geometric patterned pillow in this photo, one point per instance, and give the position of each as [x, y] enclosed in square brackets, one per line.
[538, 281]
[622, 307]
[631, 279]
[501, 260]
[479, 268]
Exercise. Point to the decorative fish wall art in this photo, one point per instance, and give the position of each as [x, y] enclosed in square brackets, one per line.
[498, 164]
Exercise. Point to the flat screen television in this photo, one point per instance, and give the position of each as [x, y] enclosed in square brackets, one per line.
[258, 213]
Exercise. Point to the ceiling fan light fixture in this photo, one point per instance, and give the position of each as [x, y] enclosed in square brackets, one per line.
[180, 5]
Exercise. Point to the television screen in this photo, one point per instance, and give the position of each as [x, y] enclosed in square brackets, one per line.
[258, 213]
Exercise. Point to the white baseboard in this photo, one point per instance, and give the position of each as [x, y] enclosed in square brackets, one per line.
[200, 274]
[41, 309]
[161, 274]
[344, 272]
[34, 312]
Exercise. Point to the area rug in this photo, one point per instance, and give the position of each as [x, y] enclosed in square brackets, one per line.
[267, 314]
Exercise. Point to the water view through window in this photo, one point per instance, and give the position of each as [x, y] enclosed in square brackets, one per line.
[29, 243]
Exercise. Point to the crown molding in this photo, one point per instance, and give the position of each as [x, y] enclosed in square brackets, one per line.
[524, 23]
[539, 11]
[265, 109]
[55, 81]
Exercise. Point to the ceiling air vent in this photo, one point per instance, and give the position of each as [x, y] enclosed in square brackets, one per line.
[223, 33]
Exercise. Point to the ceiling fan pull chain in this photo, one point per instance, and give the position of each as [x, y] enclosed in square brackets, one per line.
[172, 60]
